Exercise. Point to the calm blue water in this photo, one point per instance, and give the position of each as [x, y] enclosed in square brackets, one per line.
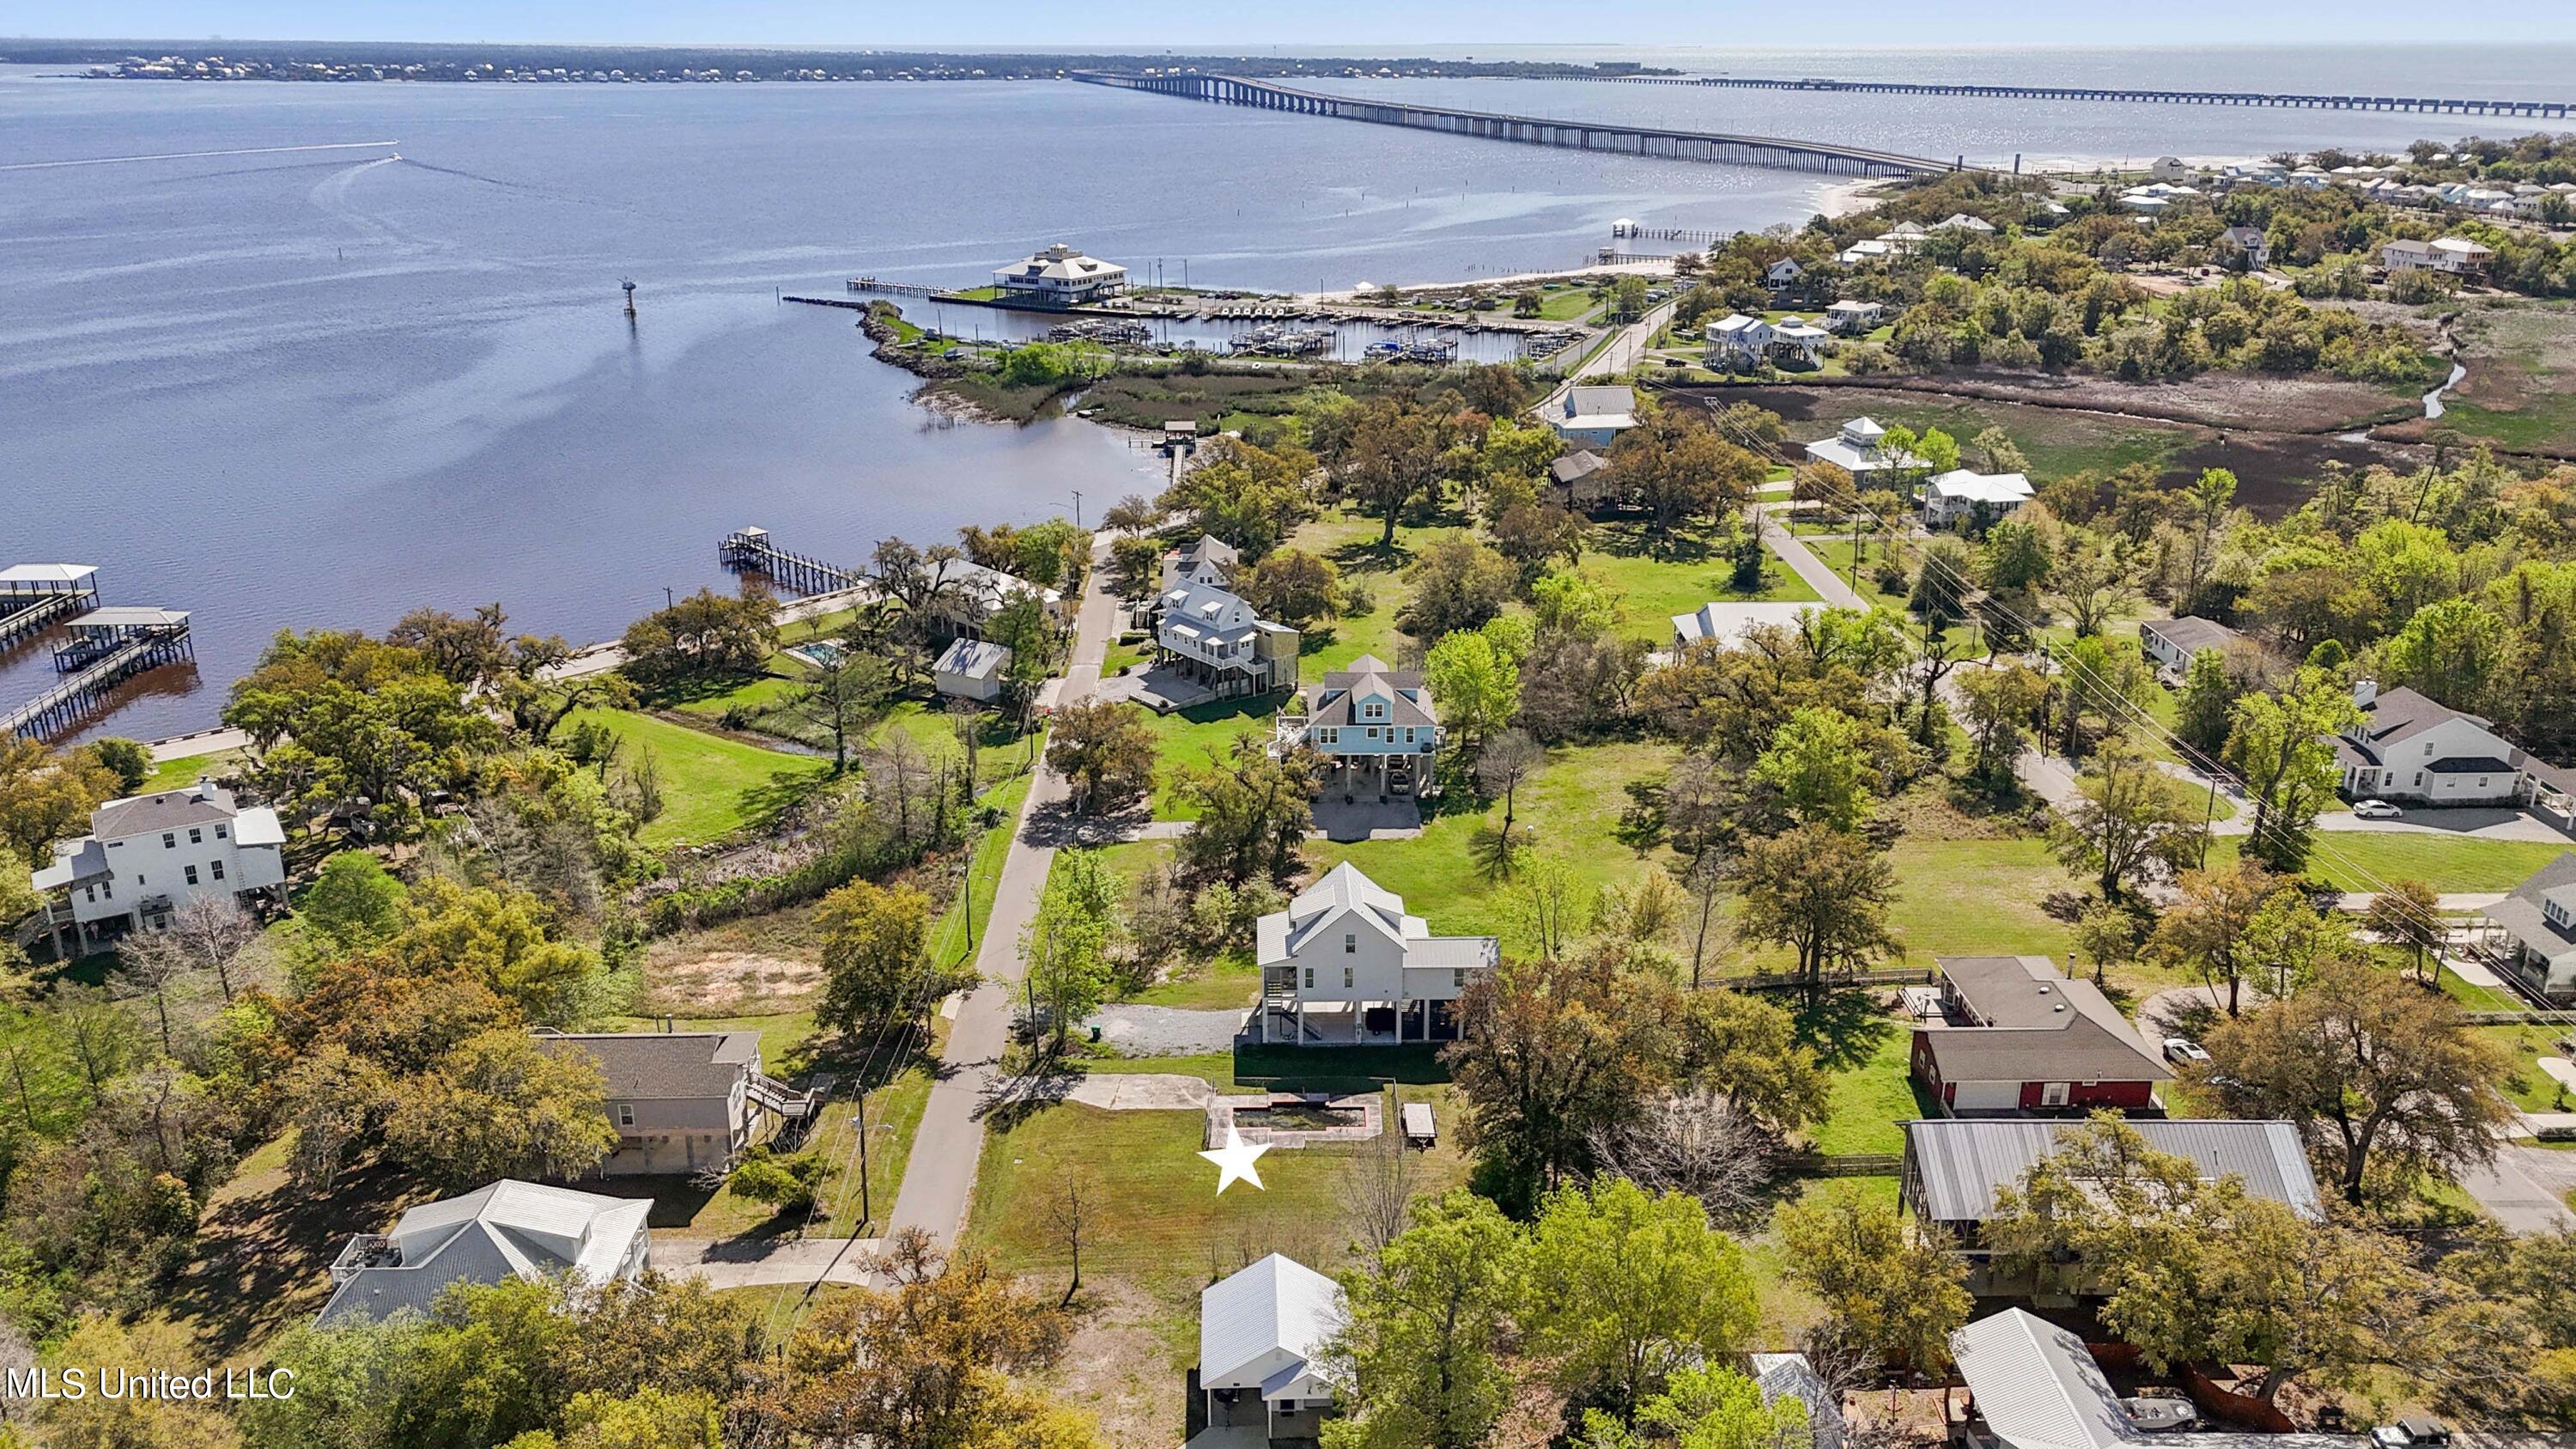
[323, 388]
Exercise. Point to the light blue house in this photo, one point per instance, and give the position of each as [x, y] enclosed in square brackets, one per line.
[1374, 726]
[1594, 417]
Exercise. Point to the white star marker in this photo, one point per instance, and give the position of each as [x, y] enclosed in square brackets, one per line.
[1234, 1160]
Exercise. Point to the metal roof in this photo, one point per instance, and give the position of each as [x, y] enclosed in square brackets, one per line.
[2037, 1387]
[127, 616]
[503, 1229]
[1959, 1163]
[53, 573]
[1277, 1304]
[973, 658]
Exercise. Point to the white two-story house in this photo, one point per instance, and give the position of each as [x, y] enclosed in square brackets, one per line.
[1344, 966]
[2410, 747]
[147, 855]
[1222, 642]
[1374, 726]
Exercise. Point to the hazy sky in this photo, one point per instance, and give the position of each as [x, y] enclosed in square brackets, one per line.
[1308, 24]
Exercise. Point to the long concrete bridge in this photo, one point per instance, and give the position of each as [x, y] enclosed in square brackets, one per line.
[1654, 142]
[2428, 105]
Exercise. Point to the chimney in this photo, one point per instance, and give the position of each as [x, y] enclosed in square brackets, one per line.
[205, 787]
[2365, 692]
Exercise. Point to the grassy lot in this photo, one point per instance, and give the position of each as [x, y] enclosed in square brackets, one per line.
[713, 785]
[1291, 1069]
[2526, 1084]
[1868, 1052]
[1184, 738]
[1167, 1231]
[1228, 978]
[1571, 811]
[2350, 860]
[1663, 578]
[1786, 1306]
[171, 774]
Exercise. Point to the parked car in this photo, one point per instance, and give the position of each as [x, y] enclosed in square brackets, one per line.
[2408, 1433]
[2182, 1049]
[2376, 810]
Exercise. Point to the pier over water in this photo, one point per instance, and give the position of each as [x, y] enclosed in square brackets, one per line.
[1704, 146]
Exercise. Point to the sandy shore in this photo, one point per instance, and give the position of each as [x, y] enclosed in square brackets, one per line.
[1842, 198]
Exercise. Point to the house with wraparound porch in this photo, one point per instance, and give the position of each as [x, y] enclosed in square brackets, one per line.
[1375, 727]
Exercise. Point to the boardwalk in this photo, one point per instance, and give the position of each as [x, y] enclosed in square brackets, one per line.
[109, 646]
[1719, 148]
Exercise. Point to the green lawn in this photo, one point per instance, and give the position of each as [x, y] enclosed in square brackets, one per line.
[2525, 1083]
[171, 774]
[2350, 859]
[1571, 812]
[1660, 581]
[712, 785]
[1968, 897]
[1161, 1224]
[1184, 738]
[1873, 1083]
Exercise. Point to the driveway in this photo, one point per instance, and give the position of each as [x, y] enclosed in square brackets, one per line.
[2474, 824]
[2508, 1191]
[754, 1262]
[1169, 1031]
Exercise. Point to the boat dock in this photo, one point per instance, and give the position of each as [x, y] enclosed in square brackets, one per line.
[891, 289]
[108, 646]
[35, 595]
[749, 551]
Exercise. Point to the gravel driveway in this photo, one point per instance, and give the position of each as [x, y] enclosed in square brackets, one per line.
[1169, 1031]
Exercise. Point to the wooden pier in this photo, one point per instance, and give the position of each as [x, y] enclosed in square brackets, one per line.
[893, 289]
[2424, 105]
[1717, 148]
[108, 647]
[33, 596]
[749, 551]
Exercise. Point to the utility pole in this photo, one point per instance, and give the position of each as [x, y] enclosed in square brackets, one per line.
[668, 601]
[1077, 508]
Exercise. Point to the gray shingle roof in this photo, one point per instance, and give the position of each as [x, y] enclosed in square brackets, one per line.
[1959, 1163]
[2038, 1027]
[164, 810]
[2523, 916]
[1333, 701]
[644, 1065]
[2191, 633]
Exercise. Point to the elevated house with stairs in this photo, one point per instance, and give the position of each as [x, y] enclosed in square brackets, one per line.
[1345, 966]
[687, 1101]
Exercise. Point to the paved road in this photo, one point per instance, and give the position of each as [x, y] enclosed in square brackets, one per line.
[2511, 1196]
[1624, 351]
[1802, 560]
[939, 1179]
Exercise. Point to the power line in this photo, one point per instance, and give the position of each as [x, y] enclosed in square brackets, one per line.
[2213, 768]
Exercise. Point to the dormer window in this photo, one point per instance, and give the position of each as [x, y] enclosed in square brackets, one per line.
[2556, 912]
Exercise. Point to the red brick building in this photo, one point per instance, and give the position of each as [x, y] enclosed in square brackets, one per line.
[2006, 1035]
